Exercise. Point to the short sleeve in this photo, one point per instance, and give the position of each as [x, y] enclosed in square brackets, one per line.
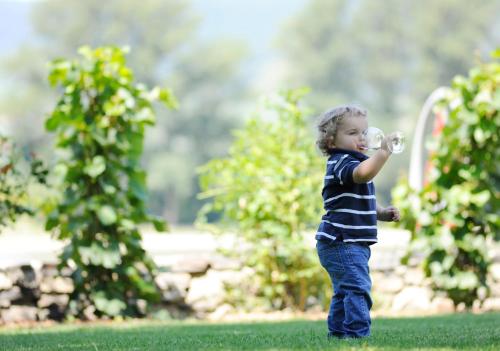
[340, 169]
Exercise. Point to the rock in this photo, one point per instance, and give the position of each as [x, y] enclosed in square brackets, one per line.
[381, 301]
[219, 262]
[491, 304]
[46, 300]
[174, 286]
[49, 270]
[388, 284]
[59, 285]
[230, 277]
[89, 313]
[495, 271]
[27, 277]
[495, 254]
[221, 312]
[476, 306]
[482, 293]
[192, 265]
[53, 306]
[401, 270]
[5, 282]
[43, 314]
[312, 302]
[15, 274]
[7, 296]
[205, 293]
[461, 307]
[416, 299]
[495, 289]
[28, 297]
[376, 276]
[167, 279]
[17, 314]
[414, 276]
[142, 306]
[441, 304]
[415, 260]
[384, 260]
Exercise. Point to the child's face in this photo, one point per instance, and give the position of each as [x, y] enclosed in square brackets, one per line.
[350, 134]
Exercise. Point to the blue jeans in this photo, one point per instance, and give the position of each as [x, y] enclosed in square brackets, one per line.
[347, 265]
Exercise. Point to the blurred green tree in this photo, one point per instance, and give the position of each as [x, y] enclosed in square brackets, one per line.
[387, 56]
[268, 192]
[379, 53]
[165, 48]
[455, 218]
[99, 122]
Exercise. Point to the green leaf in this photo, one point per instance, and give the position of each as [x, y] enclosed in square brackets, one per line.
[52, 123]
[52, 221]
[58, 71]
[167, 97]
[97, 255]
[145, 115]
[107, 215]
[96, 167]
[86, 52]
[112, 108]
[137, 184]
[481, 198]
[159, 224]
[109, 306]
[127, 224]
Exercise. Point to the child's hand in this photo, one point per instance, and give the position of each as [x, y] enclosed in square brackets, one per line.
[389, 214]
[388, 140]
[393, 214]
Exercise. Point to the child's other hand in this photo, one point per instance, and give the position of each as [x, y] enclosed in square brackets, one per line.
[393, 214]
[390, 214]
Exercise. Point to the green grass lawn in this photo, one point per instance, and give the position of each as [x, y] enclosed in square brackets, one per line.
[451, 332]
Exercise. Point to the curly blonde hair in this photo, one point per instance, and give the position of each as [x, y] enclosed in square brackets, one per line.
[329, 122]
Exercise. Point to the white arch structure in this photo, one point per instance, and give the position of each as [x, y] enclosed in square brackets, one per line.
[418, 152]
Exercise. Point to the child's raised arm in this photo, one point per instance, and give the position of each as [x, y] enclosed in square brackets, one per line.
[369, 168]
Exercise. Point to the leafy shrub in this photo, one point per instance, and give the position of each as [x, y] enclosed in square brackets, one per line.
[99, 123]
[455, 218]
[18, 171]
[268, 190]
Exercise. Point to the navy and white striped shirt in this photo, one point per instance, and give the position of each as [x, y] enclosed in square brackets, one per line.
[351, 208]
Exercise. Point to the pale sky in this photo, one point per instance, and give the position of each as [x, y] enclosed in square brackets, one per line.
[254, 21]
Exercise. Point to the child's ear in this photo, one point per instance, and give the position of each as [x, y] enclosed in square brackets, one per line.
[331, 143]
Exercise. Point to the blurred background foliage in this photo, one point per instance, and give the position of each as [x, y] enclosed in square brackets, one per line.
[21, 175]
[266, 191]
[165, 52]
[387, 56]
[455, 218]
